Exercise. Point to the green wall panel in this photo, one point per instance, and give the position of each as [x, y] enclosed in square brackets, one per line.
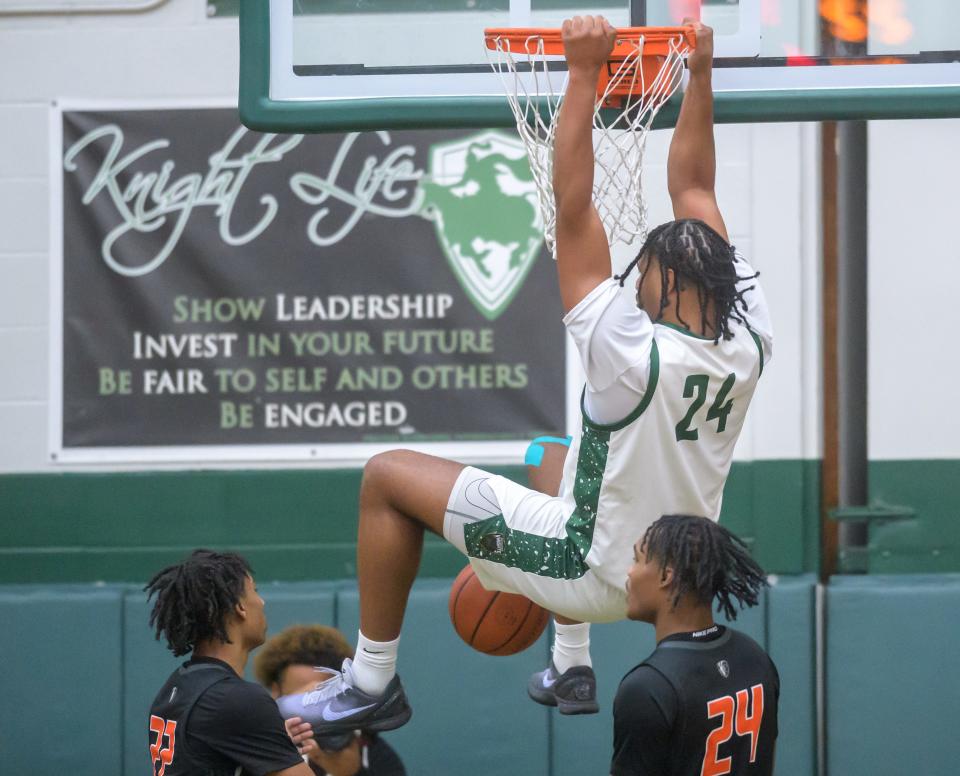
[301, 524]
[471, 713]
[791, 642]
[60, 679]
[147, 664]
[892, 685]
[775, 506]
[584, 744]
[929, 542]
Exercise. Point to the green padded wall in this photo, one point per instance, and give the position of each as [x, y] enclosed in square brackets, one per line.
[147, 664]
[60, 679]
[893, 687]
[791, 642]
[471, 714]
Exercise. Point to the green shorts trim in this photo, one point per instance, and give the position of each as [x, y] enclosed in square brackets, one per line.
[556, 557]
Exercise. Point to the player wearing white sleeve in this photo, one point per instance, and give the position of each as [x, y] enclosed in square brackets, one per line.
[670, 373]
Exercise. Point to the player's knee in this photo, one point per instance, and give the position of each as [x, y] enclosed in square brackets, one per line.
[381, 471]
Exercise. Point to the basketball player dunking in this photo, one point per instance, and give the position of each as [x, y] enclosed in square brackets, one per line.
[670, 372]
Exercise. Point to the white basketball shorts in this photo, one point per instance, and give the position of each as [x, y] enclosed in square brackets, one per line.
[517, 541]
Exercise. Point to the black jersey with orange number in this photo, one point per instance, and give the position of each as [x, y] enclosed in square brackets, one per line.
[207, 721]
[703, 704]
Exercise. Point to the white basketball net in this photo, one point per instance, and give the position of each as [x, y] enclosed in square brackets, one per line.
[618, 143]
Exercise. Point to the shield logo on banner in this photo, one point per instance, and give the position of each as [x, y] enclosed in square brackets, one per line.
[481, 196]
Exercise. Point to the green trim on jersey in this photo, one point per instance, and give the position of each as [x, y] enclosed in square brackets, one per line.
[682, 330]
[756, 339]
[555, 557]
[644, 402]
[689, 333]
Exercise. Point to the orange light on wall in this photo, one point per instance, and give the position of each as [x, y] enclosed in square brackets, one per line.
[854, 20]
[847, 18]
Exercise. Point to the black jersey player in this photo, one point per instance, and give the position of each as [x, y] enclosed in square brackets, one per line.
[206, 720]
[705, 702]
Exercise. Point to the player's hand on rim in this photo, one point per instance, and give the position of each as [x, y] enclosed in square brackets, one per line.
[701, 58]
[588, 41]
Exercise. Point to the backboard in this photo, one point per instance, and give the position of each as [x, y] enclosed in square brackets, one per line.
[327, 65]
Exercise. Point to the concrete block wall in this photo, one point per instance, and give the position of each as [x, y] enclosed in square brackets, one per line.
[177, 54]
[172, 53]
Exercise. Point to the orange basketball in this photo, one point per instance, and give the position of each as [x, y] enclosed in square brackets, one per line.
[492, 622]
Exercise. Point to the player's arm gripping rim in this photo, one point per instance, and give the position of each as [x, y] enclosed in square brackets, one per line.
[692, 163]
[583, 254]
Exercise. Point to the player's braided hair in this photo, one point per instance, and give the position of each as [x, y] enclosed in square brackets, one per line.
[708, 562]
[193, 598]
[300, 645]
[698, 254]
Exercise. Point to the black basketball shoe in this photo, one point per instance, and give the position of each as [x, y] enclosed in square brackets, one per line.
[572, 692]
[338, 706]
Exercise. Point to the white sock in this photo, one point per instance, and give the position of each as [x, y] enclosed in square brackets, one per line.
[571, 646]
[374, 664]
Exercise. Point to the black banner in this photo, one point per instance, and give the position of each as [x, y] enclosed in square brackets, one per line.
[224, 287]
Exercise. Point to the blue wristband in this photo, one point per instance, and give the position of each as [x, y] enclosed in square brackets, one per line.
[534, 456]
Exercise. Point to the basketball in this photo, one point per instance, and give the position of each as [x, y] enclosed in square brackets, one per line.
[493, 622]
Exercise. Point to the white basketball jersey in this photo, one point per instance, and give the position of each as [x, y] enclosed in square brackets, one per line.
[671, 455]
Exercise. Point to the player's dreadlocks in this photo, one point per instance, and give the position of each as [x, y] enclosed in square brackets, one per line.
[300, 645]
[698, 254]
[707, 560]
[194, 598]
